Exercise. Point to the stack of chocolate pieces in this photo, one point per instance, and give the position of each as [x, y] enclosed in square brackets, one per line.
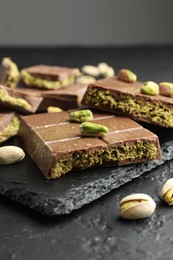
[34, 89]
[56, 144]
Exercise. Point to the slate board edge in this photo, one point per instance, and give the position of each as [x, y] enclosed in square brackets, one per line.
[60, 206]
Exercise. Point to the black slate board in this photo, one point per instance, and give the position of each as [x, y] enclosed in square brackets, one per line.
[24, 183]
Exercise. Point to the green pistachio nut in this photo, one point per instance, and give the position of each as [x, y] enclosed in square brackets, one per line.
[81, 116]
[166, 89]
[150, 88]
[91, 129]
[127, 75]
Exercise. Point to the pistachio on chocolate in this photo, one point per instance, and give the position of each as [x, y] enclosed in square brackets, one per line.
[81, 116]
[52, 109]
[92, 129]
[127, 75]
[150, 88]
[166, 89]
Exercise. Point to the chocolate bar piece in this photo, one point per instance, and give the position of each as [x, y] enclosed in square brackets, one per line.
[12, 99]
[49, 77]
[57, 147]
[9, 74]
[9, 125]
[66, 98]
[123, 98]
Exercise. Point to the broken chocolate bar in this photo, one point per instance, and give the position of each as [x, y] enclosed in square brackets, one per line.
[49, 77]
[123, 98]
[9, 125]
[9, 74]
[66, 98]
[12, 99]
[57, 147]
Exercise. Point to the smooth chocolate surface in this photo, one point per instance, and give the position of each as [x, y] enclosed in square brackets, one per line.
[120, 92]
[51, 72]
[67, 97]
[51, 138]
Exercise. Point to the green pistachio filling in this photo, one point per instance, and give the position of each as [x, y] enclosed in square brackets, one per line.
[14, 101]
[14, 73]
[154, 111]
[10, 130]
[81, 160]
[43, 83]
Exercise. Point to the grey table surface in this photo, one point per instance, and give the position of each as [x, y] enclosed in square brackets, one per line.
[95, 231]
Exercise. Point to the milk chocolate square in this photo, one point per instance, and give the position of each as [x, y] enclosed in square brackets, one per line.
[116, 96]
[49, 77]
[57, 147]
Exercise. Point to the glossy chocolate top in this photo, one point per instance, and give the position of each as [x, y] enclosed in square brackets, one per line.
[133, 89]
[66, 98]
[62, 136]
[51, 72]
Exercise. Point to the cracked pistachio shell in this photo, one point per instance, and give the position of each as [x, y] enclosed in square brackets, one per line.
[11, 154]
[106, 70]
[150, 88]
[127, 75]
[85, 80]
[91, 129]
[167, 191]
[90, 70]
[166, 89]
[137, 206]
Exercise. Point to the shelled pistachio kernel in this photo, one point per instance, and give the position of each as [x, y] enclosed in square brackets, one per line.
[106, 70]
[150, 88]
[11, 154]
[52, 109]
[137, 206]
[167, 191]
[91, 129]
[81, 116]
[85, 80]
[166, 89]
[127, 75]
[90, 70]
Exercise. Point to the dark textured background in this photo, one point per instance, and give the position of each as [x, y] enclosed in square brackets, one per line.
[95, 231]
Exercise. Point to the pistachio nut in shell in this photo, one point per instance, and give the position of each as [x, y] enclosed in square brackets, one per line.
[85, 80]
[127, 75]
[103, 66]
[90, 70]
[167, 191]
[150, 88]
[11, 154]
[166, 89]
[137, 206]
